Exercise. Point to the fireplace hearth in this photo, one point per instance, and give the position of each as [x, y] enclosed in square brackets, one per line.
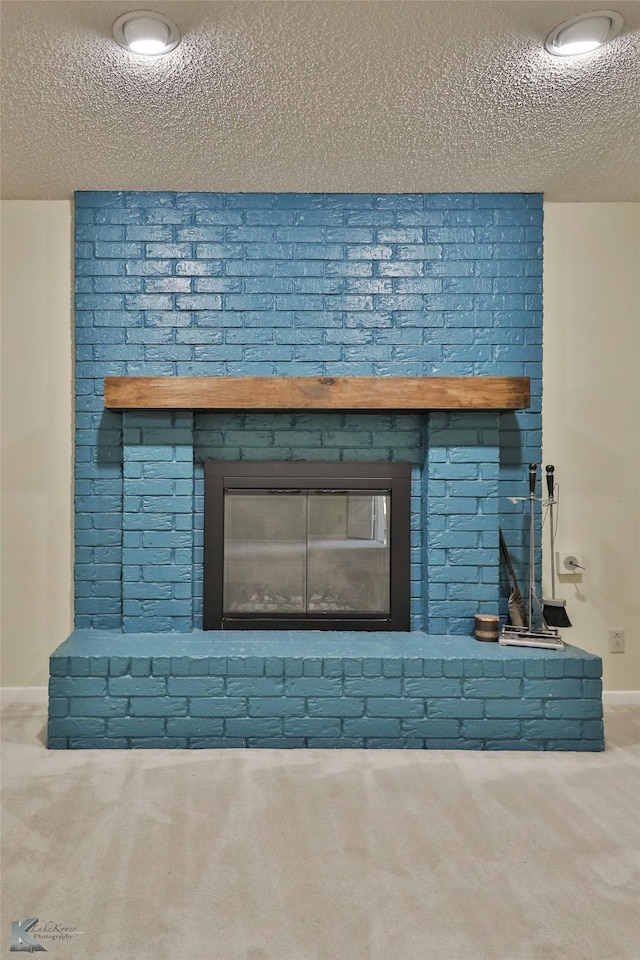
[296, 328]
[312, 546]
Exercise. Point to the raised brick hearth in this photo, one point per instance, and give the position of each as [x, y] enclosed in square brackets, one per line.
[316, 689]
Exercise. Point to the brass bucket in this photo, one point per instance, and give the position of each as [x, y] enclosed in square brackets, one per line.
[486, 626]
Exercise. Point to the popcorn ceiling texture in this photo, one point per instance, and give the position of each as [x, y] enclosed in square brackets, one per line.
[319, 96]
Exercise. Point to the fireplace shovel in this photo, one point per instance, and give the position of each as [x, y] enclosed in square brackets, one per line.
[553, 610]
[515, 603]
[516, 636]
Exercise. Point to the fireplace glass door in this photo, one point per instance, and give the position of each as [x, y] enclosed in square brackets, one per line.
[305, 550]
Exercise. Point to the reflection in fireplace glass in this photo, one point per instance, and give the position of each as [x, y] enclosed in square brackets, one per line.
[306, 551]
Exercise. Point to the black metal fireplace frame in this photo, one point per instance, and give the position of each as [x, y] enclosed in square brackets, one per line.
[222, 475]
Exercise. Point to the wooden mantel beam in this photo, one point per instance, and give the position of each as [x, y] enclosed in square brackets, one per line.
[316, 393]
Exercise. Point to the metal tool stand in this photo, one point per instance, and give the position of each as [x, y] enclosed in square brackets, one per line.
[547, 638]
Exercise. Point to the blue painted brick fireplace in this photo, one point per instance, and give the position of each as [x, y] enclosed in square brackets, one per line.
[302, 285]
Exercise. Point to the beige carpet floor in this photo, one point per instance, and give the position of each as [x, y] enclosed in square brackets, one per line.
[323, 855]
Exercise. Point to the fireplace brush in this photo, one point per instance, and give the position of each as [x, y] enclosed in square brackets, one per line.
[553, 609]
[515, 603]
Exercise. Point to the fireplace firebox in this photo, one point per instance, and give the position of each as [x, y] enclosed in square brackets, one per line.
[300, 545]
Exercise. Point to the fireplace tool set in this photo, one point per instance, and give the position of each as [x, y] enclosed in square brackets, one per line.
[550, 614]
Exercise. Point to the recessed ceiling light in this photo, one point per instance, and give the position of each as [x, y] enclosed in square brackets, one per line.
[147, 33]
[584, 34]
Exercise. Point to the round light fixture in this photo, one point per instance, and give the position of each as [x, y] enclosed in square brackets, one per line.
[147, 33]
[584, 34]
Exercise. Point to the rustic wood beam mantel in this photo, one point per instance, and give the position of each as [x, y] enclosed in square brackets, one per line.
[316, 393]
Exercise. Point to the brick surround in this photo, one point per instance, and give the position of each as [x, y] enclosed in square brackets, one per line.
[294, 285]
[299, 285]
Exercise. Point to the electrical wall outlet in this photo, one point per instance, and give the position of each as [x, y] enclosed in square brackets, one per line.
[616, 641]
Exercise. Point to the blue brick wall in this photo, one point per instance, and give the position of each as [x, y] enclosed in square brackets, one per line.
[460, 519]
[300, 285]
[437, 694]
[157, 521]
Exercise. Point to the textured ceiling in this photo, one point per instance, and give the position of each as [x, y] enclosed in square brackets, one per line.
[338, 95]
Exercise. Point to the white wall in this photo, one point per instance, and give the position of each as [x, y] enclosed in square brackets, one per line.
[591, 420]
[590, 413]
[37, 419]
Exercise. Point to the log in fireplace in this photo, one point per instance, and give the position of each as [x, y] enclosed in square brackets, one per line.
[301, 545]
